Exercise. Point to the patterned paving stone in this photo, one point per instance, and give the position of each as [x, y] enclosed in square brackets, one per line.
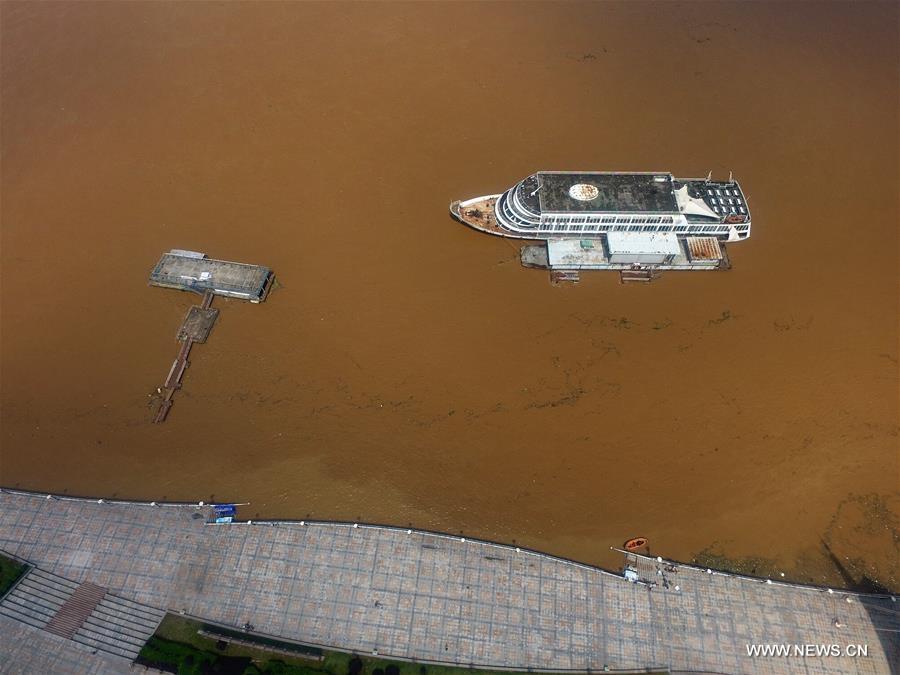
[438, 598]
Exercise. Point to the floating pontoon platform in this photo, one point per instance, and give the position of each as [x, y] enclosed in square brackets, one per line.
[638, 257]
[193, 271]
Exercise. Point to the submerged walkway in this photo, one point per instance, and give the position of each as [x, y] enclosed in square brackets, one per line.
[437, 598]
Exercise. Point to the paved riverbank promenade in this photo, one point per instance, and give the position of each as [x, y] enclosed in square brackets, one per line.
[429, 597]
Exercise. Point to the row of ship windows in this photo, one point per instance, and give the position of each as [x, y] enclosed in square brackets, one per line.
[607, 219]
[725, 190]
[644, 228]
[622, 224]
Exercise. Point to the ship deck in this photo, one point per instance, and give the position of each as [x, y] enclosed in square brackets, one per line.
[642, 193]
[478, 214]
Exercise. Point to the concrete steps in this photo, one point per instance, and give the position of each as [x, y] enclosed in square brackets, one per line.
[85, 613]
[119, 626]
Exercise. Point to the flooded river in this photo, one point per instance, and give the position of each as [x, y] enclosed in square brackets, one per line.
[407, 369]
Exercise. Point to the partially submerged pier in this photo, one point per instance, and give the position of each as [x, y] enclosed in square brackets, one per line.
[193, 271]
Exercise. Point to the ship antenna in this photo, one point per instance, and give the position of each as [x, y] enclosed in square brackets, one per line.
[709, 177]
[731, 176]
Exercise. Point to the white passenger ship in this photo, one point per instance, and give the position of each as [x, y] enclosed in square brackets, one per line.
[614, 220]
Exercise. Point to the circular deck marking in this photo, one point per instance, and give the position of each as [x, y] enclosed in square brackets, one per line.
[583, 192]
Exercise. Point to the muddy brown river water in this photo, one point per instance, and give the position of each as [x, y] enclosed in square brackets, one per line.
[407, 369]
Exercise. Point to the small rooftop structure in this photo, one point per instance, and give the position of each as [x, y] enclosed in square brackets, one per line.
[194, 271]
[642, 247]
[575, 254]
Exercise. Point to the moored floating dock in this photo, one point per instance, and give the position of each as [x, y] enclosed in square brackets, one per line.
[642, 260]
[194, 271]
